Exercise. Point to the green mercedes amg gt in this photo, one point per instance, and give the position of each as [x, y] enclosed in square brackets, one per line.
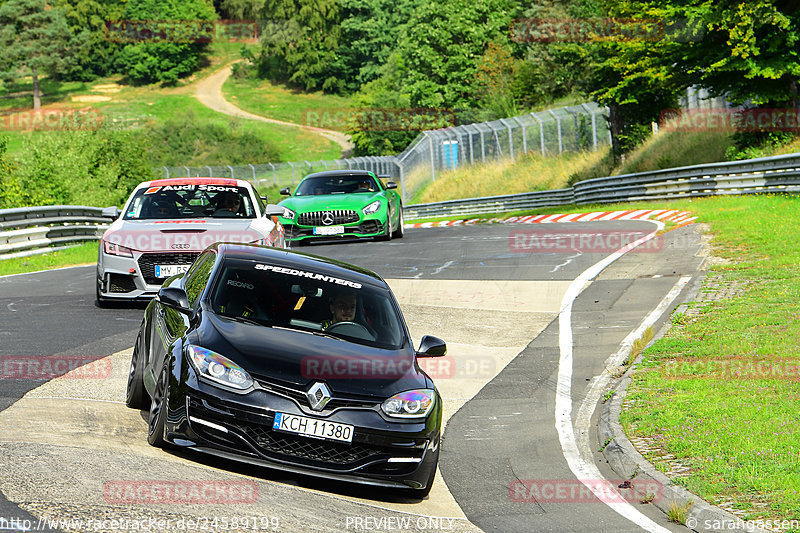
[342, 204]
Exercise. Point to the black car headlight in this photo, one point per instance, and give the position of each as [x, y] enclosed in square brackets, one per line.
[410, 404]
[218, 368]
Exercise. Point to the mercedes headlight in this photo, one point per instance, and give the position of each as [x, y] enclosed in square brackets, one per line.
[288, 214]
[410, 404]
[216, 367]
[372, 208]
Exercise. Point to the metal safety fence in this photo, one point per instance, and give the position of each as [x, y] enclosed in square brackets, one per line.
[29, 230]
[551, 132]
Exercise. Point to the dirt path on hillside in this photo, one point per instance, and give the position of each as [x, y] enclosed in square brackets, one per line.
[209, 92]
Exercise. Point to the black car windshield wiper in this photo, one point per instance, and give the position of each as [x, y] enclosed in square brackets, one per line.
[310, 331]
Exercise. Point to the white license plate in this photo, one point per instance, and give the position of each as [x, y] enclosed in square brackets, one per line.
[165, 271]
[329, 230]
[311, 427]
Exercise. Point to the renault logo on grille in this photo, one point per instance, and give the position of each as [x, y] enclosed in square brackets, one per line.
[318, 396]
[327, 218]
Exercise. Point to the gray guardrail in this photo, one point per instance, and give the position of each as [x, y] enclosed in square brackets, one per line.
[32, 230]
[779, 174]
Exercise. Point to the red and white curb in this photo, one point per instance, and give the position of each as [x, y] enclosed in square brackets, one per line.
[672, 215]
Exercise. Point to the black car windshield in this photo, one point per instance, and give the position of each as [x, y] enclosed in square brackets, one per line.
[336, 185]
[283, 297]
[190, 201]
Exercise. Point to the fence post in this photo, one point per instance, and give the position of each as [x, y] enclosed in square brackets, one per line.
[167, 170]
[510, 139]
[541, 132]
[274, 177]
[483, 144]
[524, 137]
[231, 169]
[292, 165]
[558, 121]
[324, 164]
[430, 144]
[210, 172]
[496, 140]
[402, 180]
[254, 173]
[594, 125]
[188, 172]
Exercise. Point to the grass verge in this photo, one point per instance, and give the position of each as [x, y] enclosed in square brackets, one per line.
[719, 391]
[82, 254]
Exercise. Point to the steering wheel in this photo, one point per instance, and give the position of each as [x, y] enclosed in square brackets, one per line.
[351, 329]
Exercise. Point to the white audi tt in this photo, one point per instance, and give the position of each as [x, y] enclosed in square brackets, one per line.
[166, 223]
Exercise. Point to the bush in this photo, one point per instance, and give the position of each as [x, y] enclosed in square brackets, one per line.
[184, 139]
[98, 168]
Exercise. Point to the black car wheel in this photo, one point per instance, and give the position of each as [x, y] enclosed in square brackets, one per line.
[398, 233]
[100, 301]
[158, 410]
[135, 396]
[387, 235]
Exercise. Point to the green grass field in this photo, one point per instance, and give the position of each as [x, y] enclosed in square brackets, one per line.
[267, 99]
[83, 254]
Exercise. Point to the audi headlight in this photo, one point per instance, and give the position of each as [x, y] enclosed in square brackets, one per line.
[410, 404]
[216, 367]
[116, 249]
[288, 214]
[372, 208]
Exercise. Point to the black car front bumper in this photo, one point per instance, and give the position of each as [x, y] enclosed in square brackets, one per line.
[239, 427]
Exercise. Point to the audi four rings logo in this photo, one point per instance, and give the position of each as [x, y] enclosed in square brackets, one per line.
[180, 246]
[327, 218]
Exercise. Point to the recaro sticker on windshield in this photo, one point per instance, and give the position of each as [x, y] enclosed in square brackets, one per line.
[308, 275]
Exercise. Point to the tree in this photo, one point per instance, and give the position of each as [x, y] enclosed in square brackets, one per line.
[35, 40]
[170, 38]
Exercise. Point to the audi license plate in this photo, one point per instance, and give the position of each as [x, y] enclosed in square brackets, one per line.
[311, 427]
[328, 230]
[165, 271]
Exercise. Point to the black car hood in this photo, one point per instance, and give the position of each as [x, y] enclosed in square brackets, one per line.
[296, 358]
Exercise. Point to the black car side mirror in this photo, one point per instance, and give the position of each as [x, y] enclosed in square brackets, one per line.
[174, 298]
[391, 185]
[431, 346]
[285, 191]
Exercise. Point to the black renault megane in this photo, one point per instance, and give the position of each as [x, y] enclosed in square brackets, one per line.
[292, 361]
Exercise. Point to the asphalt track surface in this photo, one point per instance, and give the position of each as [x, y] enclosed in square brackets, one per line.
[497, 307]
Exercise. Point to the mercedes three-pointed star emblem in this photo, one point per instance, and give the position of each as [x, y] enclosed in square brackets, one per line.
[327, 218]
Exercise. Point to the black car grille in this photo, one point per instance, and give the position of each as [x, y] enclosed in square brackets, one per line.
[148, 262]
[339, 216]
[120, 283]
[299, 396]
[307, 448]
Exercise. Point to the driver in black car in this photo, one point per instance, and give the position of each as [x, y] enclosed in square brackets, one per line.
[343, 309]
